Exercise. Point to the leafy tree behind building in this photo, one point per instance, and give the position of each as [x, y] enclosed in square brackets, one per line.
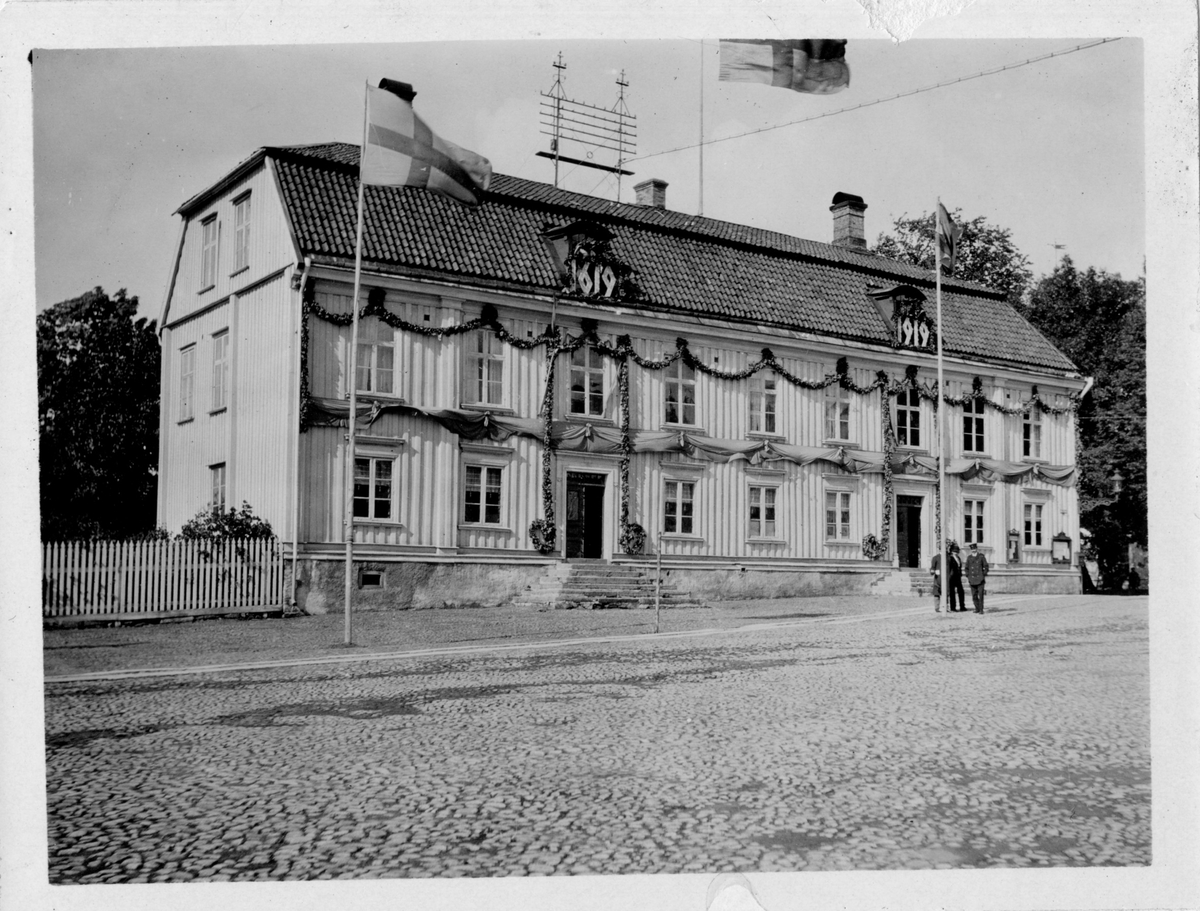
[98, 398]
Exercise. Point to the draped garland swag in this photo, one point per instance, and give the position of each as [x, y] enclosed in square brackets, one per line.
[554, 435]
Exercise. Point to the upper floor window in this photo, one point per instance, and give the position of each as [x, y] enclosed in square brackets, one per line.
[763, 390]
[681, 394]
[973, 426]
[220, 373]
[587, 381]
[187, 382]
[908, 417]
[217, 478]
[241, 233]
[837, 515]
[485, 369]
[678, 507]
[1031, 433]
[762, 512]
[482, 494]
[209, 232]
[973, 521]
[373, 487]
[376, 362]
[1033, 524]
[837, 412]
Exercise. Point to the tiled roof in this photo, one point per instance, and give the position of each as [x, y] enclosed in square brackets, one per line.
[681, 263]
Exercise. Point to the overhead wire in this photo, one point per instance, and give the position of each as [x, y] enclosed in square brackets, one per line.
[867, 104]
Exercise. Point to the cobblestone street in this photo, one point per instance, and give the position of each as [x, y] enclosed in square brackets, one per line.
[885, 738]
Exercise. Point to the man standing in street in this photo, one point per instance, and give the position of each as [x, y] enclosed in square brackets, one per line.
[935, 570]
[977, 570]
[954, 586]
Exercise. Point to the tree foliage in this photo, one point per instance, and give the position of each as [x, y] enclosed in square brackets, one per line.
[986, 253]
[98, 378]
[1099, 321]
[215, 523]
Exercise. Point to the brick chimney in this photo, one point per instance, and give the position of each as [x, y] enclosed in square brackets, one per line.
[848, 222]
[652, 192]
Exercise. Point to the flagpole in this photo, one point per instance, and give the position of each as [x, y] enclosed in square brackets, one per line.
[701, 209]
[352, 375]
[943, 558]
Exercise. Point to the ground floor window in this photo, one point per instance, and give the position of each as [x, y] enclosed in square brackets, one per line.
[762, 512]
[973, 521]
[1033, 524]
[482, 496]
[217, 477]
[373, 488]
[837, 515]
[679, 507]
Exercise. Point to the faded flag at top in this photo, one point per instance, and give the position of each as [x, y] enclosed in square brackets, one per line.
[948, 236]
[813, 65]
[399, 149]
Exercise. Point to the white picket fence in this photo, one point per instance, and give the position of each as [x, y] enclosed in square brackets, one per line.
[128, 580]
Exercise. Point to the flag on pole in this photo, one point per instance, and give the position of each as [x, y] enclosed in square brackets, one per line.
[813, 65]
[948, 236]
[399, 149]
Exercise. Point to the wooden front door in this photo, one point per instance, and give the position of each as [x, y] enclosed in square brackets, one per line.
[908, 530]
[585, 515]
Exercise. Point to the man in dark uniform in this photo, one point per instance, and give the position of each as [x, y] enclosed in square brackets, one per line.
[977, 570]
[954, 586]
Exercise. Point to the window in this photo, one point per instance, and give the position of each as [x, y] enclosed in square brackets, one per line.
[485, 366]
[241, 233]
[217, 478]
[587, 381]
[762, 404]
[220, 374]
[208, 252]
[373, 488]
[762, 512]
[681, 394]
[973, 521]
[1033, 524]
[376, 356]
[837, 412]
[973, 426]
[908, 417]
[187, 392]
[679, 507]
[837, 515]
[481, 502]
[1031, 433]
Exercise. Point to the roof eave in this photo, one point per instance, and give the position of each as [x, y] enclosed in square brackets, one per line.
[238, 174]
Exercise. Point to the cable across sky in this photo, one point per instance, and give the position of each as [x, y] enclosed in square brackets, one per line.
[867, 104]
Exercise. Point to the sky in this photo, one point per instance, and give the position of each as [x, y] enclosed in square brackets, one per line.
[1052, 150]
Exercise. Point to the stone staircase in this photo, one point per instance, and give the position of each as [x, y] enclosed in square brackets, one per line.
[908, 581]
[596, 585]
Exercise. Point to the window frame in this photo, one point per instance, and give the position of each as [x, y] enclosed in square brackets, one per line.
[972, 510]
[218, 477]
[485, 470]
[1032, 516]
[219, 390]
[1032, 436]
[908, 419]
[764, 405]
[837, 412]
[678, 500]
[586, 372]
[242, 214]
[762, 490]
[374, 346]
[210, 251]
[485, 349]
[373, 458]
[843, 505]
[680, 378]
[187, 383]
[973, 415]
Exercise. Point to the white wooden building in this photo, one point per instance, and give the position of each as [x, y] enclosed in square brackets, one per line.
[553, 376]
